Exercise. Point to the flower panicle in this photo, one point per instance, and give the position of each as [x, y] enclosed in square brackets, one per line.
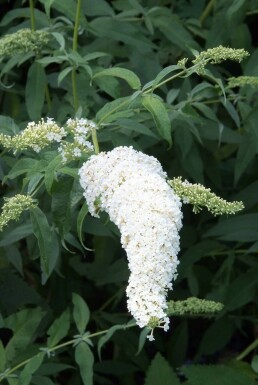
[14, 207]
[199, 197]
[242, 81]
[131, 187]
[80, 130]
[193, 306]
[217, 55]
[23, 41]
[35, 136]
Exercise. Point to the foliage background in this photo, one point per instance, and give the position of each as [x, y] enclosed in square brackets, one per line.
[214, 143]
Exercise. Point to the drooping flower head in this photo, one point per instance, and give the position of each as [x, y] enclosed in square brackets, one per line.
[131, 187]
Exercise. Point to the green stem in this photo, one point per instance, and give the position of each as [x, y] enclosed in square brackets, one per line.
[207, 11]
[166, 81]
[150, 89]
[95, 140]
[74, 86]
[32, 16]
[48, 99]
[248, 350]
[75, 46]
[60, 346]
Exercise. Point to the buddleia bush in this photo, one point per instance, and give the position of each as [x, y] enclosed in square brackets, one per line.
[127, 129]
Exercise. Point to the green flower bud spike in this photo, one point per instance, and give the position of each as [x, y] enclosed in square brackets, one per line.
[14, 207]
[199, 196]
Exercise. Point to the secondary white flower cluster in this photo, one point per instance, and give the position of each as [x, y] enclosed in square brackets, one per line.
[72, 138]
[35, 136]
[79, 128]
[131, 187]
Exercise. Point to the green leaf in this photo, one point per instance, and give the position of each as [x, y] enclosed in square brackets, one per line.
[241, 290]
[63, 74]
[156, 107]
[67, 8]
[240, 228]
[85, 359]
[35, 91]
[82, 214]
[220, 375]
[31, 367]
[107, 336]
[8, 126]
[216, 336]
[61, 203]
[14, 256]
[110, 108]
[59, 329]
[47, 5]
[47, 242]
[142, 340]
[254, 363]
[245, 154]
[24, 325]
[81, 313]
[23, 166]
[160, 372]
[130, 77]
[40, 380]
[2, 357]
[162, 74]
[20, 232]
[50, 172]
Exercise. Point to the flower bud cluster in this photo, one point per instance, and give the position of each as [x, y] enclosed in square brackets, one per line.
[242, 81]
[35, 136]
[199, 196]
[14, 207]
[131, 187]
[23, 41]
[79, 130]
[194, 306]
[217, 55]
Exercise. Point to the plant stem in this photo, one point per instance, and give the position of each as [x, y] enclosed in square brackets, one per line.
[75, 45]
[32, 16]
[64, 344]
[248, 350]
[150, 89]
[207, 11]
[48, 99]
[74, 86]
[95, 140]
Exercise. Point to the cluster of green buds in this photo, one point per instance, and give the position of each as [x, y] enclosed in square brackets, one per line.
[242, 81]
[14, 207]
[194, 307]
[36, 136]
[217, 55]
[199, 196]
[23, 41]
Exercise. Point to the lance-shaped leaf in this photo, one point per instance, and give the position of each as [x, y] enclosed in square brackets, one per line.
[35, 90]
[59, 329]
[81, 313]
[156, 107]
[47, 241]
[130, 77]
[85, 360]
[30, 368]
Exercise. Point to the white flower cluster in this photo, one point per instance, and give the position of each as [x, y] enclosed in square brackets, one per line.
[131, 187]
[79, 128]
